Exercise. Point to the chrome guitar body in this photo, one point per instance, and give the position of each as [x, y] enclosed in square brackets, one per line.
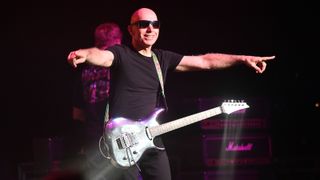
[127, 139]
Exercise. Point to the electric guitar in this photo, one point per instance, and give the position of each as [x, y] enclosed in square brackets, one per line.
[126, 140]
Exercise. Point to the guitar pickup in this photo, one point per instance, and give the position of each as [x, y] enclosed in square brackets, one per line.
[119, 143]
[126, 140]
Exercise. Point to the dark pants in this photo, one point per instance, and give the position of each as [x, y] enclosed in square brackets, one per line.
[154, 165]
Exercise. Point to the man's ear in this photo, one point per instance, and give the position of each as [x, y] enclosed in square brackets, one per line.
[130, 30]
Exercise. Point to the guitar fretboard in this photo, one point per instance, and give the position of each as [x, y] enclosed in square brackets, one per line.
[179, 123]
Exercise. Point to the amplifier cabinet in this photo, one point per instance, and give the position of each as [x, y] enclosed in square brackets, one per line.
[215, 123]
[232, 150]
[222, 175]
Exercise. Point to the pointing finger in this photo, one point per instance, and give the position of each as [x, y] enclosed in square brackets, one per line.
[267, 58]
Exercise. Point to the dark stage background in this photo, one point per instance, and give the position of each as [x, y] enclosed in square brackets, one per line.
[37, 81]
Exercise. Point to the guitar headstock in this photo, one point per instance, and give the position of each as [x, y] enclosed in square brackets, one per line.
[231, 106]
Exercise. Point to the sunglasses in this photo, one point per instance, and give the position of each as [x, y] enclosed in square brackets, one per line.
[145, 23]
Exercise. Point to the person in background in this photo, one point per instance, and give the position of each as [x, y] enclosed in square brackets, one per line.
[91, 92]
[135, 85]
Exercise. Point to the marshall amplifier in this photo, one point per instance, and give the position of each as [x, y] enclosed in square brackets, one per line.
[222, 123]
[222, 175]
[232, 150]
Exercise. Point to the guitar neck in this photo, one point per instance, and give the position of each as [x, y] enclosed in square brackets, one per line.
[179, 123]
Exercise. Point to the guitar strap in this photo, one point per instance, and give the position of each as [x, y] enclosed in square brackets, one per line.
[159, 72]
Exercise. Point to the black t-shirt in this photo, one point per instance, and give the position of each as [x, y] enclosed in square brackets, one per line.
[91, 91]
[134, 81]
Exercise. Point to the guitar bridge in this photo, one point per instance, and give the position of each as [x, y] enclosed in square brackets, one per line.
[126, 140]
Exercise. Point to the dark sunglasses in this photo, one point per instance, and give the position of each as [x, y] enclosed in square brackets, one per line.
[145, 23]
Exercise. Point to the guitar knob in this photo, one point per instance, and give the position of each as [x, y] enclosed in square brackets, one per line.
[135, 152]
